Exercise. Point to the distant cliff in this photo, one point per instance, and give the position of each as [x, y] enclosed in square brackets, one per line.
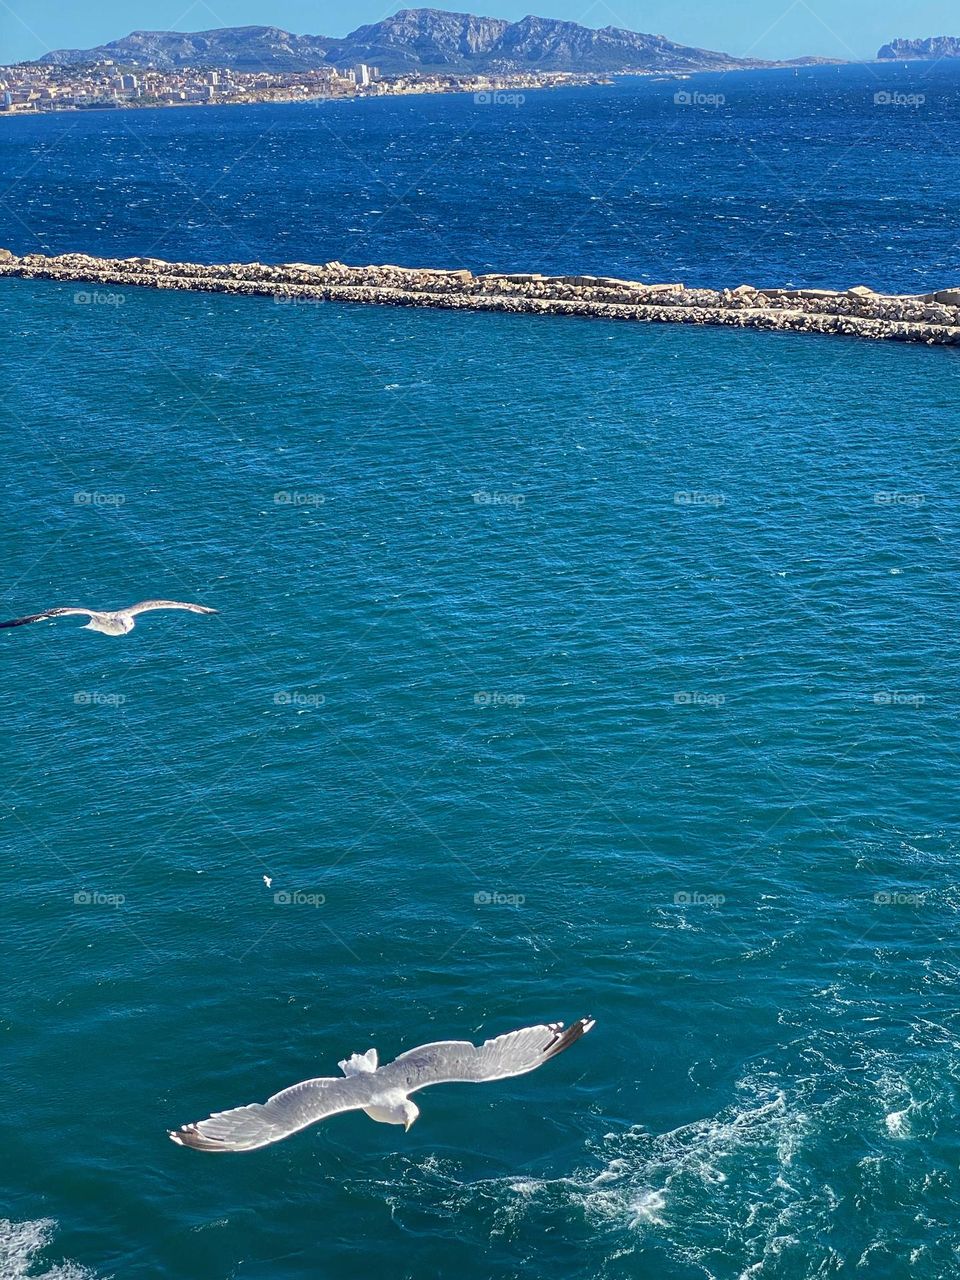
[934, 47]
[412, 40]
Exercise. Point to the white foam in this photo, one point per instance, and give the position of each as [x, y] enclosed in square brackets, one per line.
[20, 1242]
[646, 1208]
[742, 1191]
[898, 1126]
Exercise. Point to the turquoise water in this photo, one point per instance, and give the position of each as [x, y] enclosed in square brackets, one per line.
[577, 668]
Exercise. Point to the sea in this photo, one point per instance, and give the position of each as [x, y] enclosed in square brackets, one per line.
[561, 667]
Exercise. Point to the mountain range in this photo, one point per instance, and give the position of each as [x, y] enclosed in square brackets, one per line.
[429, 40]
[934, 47]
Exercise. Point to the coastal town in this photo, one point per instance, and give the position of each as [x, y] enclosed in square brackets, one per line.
[28, 88]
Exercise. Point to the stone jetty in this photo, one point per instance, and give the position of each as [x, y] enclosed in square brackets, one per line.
[932, 318]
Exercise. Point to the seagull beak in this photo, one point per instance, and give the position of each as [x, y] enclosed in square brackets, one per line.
[406, 1126]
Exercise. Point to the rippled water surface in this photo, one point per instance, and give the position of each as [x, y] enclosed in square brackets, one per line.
[773, 177]
[561, 667]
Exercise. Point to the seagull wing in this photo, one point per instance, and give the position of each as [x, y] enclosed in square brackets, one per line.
[48, 613]
[246, 1128]
[146, 605]
[449, 1061]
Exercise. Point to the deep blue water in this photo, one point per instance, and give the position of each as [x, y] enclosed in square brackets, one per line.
[577, 667]
[795, 178]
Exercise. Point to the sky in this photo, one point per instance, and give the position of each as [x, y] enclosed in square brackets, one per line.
[757, 28]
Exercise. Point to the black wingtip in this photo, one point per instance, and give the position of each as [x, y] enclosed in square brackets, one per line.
[567, 1036]
[189, 1135]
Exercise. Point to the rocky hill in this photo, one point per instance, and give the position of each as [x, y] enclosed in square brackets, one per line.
[431, 39]
[934, 47]
[411, 40]
[243, 48]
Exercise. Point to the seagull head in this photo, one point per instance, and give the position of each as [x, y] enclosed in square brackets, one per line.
[410, 1113]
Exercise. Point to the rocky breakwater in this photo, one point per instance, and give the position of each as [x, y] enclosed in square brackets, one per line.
[932, 318]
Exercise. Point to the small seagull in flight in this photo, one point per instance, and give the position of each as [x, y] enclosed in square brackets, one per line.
[381, 1092]
[119, 622]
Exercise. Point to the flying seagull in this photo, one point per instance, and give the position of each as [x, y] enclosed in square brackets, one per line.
[116, 623]
[381, 1092]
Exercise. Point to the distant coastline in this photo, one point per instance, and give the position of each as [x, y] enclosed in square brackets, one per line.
[417, 50]
[932, 318]
[38, 89]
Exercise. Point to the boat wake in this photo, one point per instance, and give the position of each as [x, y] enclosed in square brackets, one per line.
[750, 1192]
[20, 1244]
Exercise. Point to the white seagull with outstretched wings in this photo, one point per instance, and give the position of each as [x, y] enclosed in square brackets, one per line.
[382, 1092]
[116, 623]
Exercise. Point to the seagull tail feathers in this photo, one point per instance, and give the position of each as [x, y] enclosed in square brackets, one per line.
[358, 1063]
